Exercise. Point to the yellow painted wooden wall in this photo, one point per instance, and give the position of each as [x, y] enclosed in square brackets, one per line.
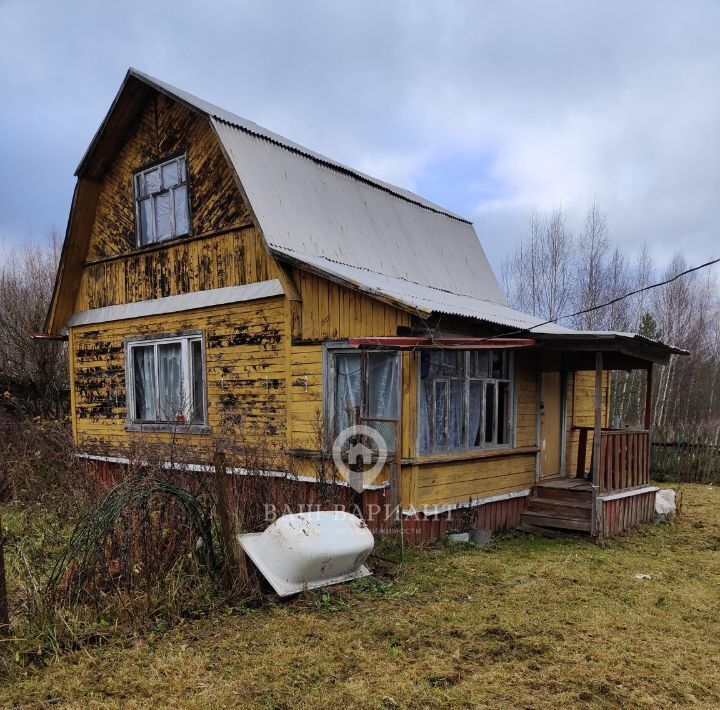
[274, 380]
[580, 411]
[229, 259]
[245, 350]
[163, 129]
[224, 248]
[328, 312]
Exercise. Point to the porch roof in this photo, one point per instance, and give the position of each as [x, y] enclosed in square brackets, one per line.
[622, 351]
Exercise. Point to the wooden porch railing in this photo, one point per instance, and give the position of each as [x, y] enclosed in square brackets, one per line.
[624, 458]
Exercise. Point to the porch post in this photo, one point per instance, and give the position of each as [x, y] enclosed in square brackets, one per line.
[648, 398]
[597, 436]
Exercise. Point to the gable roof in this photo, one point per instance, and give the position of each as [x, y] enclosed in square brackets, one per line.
[333, 220]
[330, 218]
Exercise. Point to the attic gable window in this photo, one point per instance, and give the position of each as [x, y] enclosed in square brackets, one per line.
[161, 198]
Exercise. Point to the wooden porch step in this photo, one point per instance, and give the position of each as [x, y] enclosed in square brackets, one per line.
[561, 507]
[581, 493]
[549, 519]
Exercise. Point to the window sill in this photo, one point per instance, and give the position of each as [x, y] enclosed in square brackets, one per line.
[470, 455]
[168, 428]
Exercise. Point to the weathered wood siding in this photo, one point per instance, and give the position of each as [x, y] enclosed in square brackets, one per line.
[246, 371]
[328, 312]
[331, 312]
[224, 248]
[622, 514]
[457, 481]
[497, 516]
[165, 128]
[185, 266]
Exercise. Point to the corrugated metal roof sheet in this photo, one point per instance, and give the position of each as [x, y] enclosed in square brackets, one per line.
[309, 211]
[422, 298]
[361, 231]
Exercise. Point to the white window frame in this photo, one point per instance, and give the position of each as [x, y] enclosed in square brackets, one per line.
[139, 198]
[331, 349]
[510, 422]
[184, 339]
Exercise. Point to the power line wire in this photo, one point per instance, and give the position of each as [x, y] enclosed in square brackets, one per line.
[627, 295]
[607, 303]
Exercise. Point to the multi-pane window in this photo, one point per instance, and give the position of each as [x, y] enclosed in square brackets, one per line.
[365, 388]
[162, 202]
[465, 399]
[166, 380]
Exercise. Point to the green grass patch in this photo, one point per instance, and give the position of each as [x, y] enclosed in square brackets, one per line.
[523, 622]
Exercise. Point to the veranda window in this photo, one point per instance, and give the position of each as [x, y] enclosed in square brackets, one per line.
[465, 400]
[166, 380]
[364, 387]
[162, 202]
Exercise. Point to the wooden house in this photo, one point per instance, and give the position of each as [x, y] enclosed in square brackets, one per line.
[211, 267]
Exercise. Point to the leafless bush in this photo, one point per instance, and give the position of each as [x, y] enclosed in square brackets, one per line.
[323, 467]
[145, 528]
[38, 466]
[34, 372]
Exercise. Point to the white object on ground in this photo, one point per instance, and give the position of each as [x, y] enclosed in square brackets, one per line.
[643, 576]
[664, 505]
[310, 550]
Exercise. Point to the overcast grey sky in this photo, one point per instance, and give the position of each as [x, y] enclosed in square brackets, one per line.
[489, 108]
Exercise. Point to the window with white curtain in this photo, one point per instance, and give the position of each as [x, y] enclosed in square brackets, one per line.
[365, 386]
[465, 400]
[161, 198]
[166, 380]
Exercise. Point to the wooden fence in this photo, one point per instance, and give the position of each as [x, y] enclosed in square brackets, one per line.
[693, 459]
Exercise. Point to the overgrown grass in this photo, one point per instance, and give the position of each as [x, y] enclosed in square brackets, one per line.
[525, 622]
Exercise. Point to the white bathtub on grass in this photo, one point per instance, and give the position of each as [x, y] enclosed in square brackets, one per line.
[310, 550]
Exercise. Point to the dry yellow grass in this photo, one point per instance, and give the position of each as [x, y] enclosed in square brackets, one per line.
[525, 623]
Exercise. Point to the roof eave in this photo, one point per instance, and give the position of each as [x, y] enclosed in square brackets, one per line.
[631, 345]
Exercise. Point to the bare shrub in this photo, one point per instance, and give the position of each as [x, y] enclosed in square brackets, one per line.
[34, 372]
[38, 466]
[142, 530]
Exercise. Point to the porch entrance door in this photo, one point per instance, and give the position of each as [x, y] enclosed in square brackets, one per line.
[551, 411]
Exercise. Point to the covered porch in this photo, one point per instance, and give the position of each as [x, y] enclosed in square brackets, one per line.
[603, 485]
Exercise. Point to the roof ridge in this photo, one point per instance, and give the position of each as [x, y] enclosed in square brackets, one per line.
[228, 117]
[395, 190]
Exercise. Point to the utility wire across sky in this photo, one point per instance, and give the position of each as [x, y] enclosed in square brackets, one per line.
[610, 302]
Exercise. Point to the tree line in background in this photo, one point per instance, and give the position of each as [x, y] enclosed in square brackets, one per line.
[33, 373]
[554, 271]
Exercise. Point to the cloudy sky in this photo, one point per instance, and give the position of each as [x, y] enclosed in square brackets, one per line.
[491, 109]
